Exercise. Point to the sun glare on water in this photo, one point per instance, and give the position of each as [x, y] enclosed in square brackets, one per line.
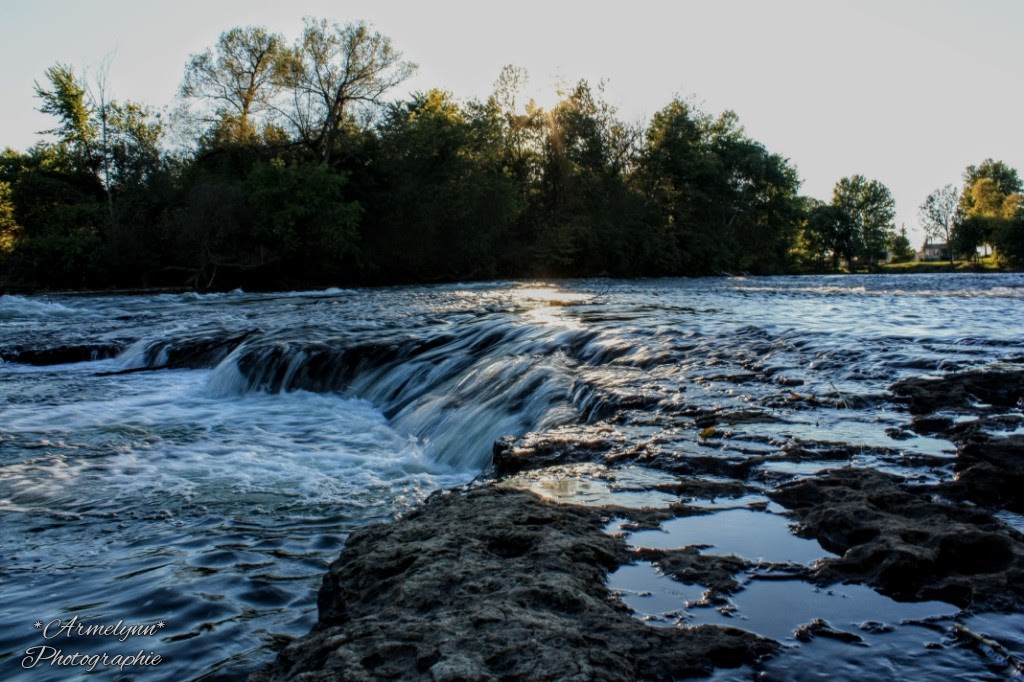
[545, 305]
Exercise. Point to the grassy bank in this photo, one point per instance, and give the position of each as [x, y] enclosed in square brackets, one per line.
[986, 264]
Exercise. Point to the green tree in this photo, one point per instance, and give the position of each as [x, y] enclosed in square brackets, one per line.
[1009, 236]
[587, 217]
[828, 236]
[987, 202]
[869, 211]
[58, 216]
[939, 214]
[441, 174]
[902, 251]
[720, 201]
[332, 72]
[76, 134]
[303, 221]
[9, 228]
[235, 83]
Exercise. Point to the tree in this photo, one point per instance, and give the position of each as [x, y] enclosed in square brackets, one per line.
[869, 208]
[76, 132]
[828, 233]
[302, 218]
[939, 214]
[8, 226]
[1005, 179]
[720, 201]
[1009, 237]
[987, 202]
[236, 79]
[445, 204]
[519, 126]
[331, 72]
[902, 251]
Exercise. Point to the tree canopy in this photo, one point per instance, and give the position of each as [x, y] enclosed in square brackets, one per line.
[298, 168]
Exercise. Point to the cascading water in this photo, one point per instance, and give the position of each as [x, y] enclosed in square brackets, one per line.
[207, 474]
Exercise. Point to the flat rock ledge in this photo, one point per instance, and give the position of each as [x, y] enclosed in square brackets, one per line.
[491, 584]
[897, 538]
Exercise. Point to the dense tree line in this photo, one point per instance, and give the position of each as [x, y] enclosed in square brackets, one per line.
[295, 170]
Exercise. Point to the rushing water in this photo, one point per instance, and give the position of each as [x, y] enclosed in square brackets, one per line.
[203, 458]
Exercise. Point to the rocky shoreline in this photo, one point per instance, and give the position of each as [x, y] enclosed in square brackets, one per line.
[491, 582]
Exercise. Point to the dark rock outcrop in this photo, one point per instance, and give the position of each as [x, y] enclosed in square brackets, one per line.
[990, 465]
[990, 472]
[493, 584]
[691, 566]
[60, 355]
[964, 390]
[898, 539]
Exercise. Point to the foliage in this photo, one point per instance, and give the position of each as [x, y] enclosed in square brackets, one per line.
[722, 201]
[298, 171]
[939, 214]
[234, 83]
[868, 210]
[901, 249]
[76, 131]
[9, 229]
[301, 217]
[988, 207]
[331, 73]
[438, 162]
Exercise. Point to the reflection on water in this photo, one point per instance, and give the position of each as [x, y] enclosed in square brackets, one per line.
[753, 535]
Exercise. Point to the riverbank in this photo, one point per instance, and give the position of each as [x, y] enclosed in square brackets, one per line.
[981, 266]
[986, 264]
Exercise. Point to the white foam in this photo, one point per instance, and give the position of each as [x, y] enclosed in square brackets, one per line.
[12, 307]
[167, 437]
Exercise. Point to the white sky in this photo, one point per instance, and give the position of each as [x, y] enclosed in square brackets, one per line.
[908, 92]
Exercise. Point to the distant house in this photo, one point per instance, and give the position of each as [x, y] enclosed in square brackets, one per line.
[934, 251]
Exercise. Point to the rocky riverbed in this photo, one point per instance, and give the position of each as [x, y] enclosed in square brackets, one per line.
[830, 465]
[494, 582]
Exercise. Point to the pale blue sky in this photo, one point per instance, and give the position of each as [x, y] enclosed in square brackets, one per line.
[905, 91]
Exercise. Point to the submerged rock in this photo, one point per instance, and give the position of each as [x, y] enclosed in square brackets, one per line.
[911, 547]
[822, 628]
[60, 355]
[990, 464]
[493, 584]
[990, 472]
[691, 566]
[564, 445]
[964, 390]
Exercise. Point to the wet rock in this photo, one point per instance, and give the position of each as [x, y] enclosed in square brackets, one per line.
[821, 628]
[876, 628]
[898, 433]
[984, 427]
[493, 584]
[566, 445]
[194, 352]
[198, 352]
[990, 472]
[898, 539]
[646, 519]
[999, 388]
[930, 424]
[736, 417]
[690, 566]
[60, 355]
[704, 488]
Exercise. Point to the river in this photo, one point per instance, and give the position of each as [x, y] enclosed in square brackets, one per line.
[198, 460]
